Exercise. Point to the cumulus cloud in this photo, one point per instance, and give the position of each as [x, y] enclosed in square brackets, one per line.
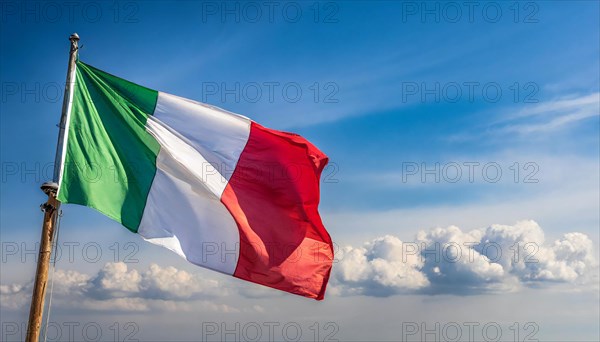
[498, 258]
[116, 280]
[527, 256]
[453, 265]
[117, 287]
[14, 296]
[495, 259]
[378, 268]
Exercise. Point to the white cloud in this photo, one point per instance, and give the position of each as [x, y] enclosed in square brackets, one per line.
[551, 115]
[527, 256]
[495, 259]
[116, 287]
[115, 280]
[498, 258]
[170, 282]
[378, 268]
[14, 296]
[453, 265]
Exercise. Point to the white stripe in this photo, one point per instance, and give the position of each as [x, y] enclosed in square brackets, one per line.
[187, 157]
[183, 216]
[219, 136]
[183, 211]
[66, 131]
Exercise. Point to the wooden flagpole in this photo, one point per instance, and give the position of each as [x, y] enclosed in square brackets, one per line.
[50, 208]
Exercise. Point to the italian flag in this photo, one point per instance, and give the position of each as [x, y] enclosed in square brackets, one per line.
[215, 187]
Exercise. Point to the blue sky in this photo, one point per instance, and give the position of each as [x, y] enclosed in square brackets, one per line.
[387, 89]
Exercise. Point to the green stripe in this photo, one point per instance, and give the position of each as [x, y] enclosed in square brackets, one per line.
[110, 158]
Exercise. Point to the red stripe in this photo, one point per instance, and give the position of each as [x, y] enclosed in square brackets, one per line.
[273, 195]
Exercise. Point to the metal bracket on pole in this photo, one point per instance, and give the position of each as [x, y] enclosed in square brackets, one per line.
[49, 187]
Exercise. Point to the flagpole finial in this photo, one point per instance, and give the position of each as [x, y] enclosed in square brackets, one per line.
[74, 37]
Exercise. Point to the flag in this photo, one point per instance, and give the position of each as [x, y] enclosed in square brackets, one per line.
[214, 187]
